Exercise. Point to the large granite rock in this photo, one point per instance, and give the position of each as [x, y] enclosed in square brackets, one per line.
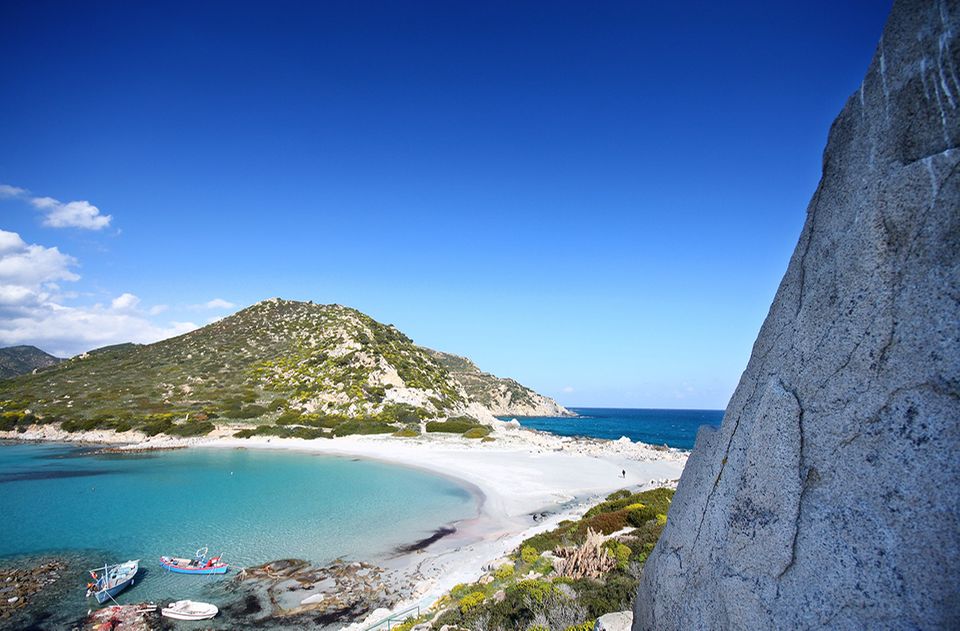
[829, 496]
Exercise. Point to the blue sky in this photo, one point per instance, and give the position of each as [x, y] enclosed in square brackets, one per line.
[598, 199]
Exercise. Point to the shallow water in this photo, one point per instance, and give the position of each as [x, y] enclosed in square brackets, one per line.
[253, 506]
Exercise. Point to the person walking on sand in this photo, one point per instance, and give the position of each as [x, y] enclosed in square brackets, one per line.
[623, 474]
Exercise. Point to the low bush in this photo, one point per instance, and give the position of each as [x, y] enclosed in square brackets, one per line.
[250, 411]
[307, 433]
[471, 601]
[457, 425]
[190, 428]
[536, 590]
[504, 572]
[477, 432]
[529, 554]
[606, 523]
[406, 432]
[289, 417]
[158, 426]
[620, 552]
[616, 593]
[362, 427]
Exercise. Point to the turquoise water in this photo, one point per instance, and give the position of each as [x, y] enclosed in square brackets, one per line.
[253, 506]
[674, 428]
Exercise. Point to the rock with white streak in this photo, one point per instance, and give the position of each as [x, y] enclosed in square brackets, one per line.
[828, 498]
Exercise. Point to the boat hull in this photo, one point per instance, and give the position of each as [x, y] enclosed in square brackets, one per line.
[189, 610]
[104, 595]
[180, 566]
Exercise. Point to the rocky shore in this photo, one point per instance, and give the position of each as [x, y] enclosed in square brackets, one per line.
[19, 585]
[295, 592]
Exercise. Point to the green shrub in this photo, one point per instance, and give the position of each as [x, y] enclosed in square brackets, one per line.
[280, 431]
[460, 590]
[471, 601]
[410, 622]
[535, 589]
[619, 495]
[406, 432]
[504, 572]
[606, 523]
[620, 552]
[157, 426]
[529, 554]
[289, 417]
[477, 432]
[322, 420]
[487, 439]
[583, 626]
[9, 420]
[457, 425]
[616, 593]
[251, 411]
[362, 427]
[190, 428]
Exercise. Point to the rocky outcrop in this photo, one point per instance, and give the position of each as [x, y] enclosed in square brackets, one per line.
[828, 498]
[501, 396]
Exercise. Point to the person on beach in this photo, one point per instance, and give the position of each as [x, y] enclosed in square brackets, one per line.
[623, 474]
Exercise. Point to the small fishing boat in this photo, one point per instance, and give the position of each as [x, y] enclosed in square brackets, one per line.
[189, 610]
[110, 580]
[199, 564]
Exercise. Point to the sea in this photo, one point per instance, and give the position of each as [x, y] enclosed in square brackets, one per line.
[251, 506]
[88, 507]
[673, 428]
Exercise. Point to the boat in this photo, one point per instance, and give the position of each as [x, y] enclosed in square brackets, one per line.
[110, 580]
[199, 564]
[189, 610]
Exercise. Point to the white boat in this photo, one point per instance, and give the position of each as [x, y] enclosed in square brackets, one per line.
[189, 610]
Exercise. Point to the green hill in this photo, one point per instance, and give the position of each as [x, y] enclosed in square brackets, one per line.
[19, 360]
[276, 360]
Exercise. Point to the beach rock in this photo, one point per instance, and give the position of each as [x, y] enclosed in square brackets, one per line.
[828, 497]
[617, 621]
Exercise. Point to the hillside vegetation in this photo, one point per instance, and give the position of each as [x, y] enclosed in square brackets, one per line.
[503, 397]
[296, 367]
[19, 360]
[563, 579]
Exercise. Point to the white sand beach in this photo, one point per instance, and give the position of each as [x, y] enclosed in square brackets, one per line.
[520, 475]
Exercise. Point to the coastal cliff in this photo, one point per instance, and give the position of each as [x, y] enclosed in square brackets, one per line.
[828, 498]
[503, 397]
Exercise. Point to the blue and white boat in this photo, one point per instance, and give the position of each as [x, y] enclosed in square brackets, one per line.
[199, 564]
[110, 580]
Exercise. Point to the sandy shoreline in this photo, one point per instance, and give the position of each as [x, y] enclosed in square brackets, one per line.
[520, 474]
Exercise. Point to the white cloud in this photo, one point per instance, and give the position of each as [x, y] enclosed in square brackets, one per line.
[157, 309]
[568, 389]
[31, 266]
[125, 302]
[216, 303]
[79, 214]
[66, 331]
[11, 191]
[32, 309]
